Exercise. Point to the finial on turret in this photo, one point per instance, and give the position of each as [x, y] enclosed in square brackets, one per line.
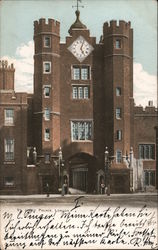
[78, 6]
[77, 12]
[77, 24]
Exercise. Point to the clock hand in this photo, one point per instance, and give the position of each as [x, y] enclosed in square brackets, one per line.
[82, 47]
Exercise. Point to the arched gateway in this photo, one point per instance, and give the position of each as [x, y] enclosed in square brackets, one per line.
[82, 172]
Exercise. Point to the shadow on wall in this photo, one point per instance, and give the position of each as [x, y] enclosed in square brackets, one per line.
[78, 163]
[13, 144]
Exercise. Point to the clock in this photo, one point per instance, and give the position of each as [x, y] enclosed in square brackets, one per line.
[80, 48]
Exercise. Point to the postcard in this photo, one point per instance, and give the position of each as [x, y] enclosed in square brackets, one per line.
[78, 124]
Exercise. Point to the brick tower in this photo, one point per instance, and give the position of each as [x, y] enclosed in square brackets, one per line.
[46, 95]
[46, 85]
[6, 76]
[118, 78]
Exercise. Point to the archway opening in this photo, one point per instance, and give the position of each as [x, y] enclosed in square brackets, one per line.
[82, 172]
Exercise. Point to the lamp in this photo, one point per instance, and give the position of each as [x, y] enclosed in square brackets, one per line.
[107, 169]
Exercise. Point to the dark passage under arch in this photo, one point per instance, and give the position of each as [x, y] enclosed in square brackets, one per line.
[82, 172]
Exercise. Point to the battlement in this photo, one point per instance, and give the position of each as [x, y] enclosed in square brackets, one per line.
[42, 25]
[4, 66]
[6, 75]
[145, 111]
[114, 27]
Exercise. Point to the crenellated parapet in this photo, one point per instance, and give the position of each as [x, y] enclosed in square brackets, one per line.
[140, 110]
[6, 75]
[121, 28]
[5, 66]
[118, 38]
[52, 26]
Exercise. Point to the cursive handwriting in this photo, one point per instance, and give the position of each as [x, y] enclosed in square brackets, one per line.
[77, 204]
[78, 226]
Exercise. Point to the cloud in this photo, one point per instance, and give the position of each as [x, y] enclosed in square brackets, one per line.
[144, 83]
[145, 86]
[23, 63]
[26, 50]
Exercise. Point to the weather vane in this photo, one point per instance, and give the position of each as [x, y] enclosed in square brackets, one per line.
[78, 6]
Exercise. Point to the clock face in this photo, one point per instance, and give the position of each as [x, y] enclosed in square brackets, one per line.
[80, 48]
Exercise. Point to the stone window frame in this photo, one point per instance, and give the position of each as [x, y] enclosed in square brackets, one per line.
[118, 91]
[11, 149]
[44, 41]
[147, 148]
[80, 68]
[118, 113]
[118, 43]
[148, 178]
[50, 67]
[79, 130]
[119, 135]
[9, 121]
[77, 95]
[45, 134]
[47, 115]
[118, 156]
[44, 93]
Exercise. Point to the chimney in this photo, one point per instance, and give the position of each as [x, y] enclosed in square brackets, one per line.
[150, 103]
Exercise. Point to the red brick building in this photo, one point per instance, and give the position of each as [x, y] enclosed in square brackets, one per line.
[145, 142]
[82, 102]
[13, 134]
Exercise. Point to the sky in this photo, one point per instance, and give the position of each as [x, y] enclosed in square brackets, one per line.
[16, 40]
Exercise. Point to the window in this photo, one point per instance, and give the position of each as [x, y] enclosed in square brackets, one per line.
[47, 134]
[9, 149]
[9, 116]
[74, 92]
[118, 44]
[86, 92]
[84, 73]
[80, 72]
[119, 135]
[47, 91]
[80, 92]
[76, 73]
[81, 130]
[149, 177]
[118, 91]
[47, 114]
[147, 151]
[47, 158]
[118, 156]
[46, 67]
[9, 181]
[118, 113]
[47, 41]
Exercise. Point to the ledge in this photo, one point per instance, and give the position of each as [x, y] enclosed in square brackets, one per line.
[31, 166]
[9, 162]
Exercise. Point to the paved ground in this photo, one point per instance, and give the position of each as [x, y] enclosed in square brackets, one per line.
[132, 200]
